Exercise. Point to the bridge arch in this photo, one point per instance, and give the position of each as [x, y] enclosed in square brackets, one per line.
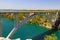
[24, 21]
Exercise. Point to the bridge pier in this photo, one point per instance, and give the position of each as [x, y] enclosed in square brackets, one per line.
[15, 19]
[15, 25]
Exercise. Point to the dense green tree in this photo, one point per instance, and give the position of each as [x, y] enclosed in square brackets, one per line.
[50, 37]
[59, 27]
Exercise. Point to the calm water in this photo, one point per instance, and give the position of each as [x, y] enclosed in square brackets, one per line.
[24, 32]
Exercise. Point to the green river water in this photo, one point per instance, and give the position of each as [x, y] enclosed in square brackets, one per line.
[25, 31]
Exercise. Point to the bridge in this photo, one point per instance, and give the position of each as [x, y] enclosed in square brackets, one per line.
[30, 14]
[11, 10]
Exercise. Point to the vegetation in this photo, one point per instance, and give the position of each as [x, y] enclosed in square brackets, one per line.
[38, 20]
[8, 16]
[21, 16]
[59, 27]
[50, 37]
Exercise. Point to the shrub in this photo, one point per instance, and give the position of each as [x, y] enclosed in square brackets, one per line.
[50, 37]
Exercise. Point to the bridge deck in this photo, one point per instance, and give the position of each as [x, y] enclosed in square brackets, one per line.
[29, 10]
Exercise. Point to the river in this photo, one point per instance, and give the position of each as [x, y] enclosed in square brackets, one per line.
[24, 32]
